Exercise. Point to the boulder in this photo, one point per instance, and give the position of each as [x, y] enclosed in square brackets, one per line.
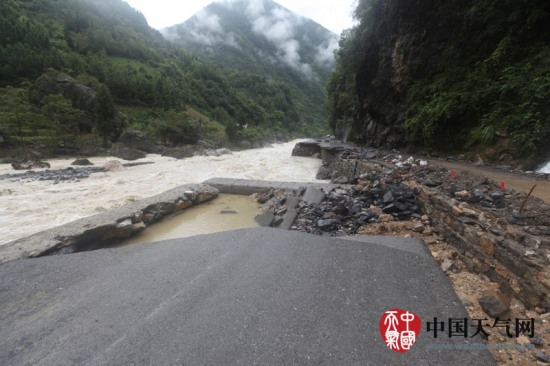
[89, 148]
[28, 164]
[54, 82]
[126, 153]
[313, 196]
[493, 307]
[180, 152]
[224, 151]
[266, 219]
[139, 141]
[82, 162]
[210, 153]
[113, 166]
[324, 173]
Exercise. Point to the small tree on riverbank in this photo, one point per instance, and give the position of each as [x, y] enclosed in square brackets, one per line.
[105, 114]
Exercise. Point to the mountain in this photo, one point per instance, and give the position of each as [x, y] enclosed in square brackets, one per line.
[466, 76]
[264, 38]
[64, 63]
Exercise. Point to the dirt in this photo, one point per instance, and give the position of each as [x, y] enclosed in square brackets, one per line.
[518, 181]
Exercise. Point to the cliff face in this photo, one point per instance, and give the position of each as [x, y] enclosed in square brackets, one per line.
[406, 45]
[445, 74]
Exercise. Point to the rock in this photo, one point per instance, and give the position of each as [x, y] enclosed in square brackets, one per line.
[138, 227]
[277, 221]
[28, 164]
[493, 307]
[313, 196]
[89, 148]
[428, 231]
[264, 198]
[326, 224]
[391, 209]
[113, 166]
[517, 218]
[462, 194]
[386, 218]
[210, 152]
[447, 265]
[457, 211]
[324, 173]
[55, 82]
[467, 303]
[224, 151]
[542, 357]
[388, 198]
[537, 340]
[124, 229]
[266, 219]
[341, 180]
[418, 228]
[82, 162]
[139, 141]
[522, 340]
[126, 153]
[180, 152]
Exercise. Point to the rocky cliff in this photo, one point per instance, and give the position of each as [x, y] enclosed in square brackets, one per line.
[449, 75]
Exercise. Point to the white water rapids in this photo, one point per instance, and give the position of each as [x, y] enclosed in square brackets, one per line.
[30, 207]
[545, 169]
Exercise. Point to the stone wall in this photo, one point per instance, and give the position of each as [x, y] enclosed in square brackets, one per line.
[509, 257]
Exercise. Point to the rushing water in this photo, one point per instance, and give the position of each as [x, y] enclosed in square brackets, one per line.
[30, 207]
[545, 169]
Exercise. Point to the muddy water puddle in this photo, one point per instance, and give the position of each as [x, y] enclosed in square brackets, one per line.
[224, 213]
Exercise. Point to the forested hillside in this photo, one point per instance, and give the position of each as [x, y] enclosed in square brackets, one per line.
[452, 75]
[71, 70]
[265, 38]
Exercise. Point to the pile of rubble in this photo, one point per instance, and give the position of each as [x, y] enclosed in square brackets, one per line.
[345, 210]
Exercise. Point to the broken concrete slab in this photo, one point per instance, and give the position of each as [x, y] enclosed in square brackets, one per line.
[108, 227]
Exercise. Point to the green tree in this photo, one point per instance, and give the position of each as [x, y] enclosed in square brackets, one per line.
[105, 114]
[63, 116]
[15, 114]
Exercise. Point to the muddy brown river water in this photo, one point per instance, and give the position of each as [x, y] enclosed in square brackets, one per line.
[224, 213]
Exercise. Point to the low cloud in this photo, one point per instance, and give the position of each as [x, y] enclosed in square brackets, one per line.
[208, 22]
[279, 27]
[276, 25]
[206, 30]
[325, 52]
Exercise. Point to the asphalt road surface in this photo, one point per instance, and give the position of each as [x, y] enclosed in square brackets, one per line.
[253, 296]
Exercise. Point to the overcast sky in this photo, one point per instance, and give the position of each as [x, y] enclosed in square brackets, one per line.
[335, 15]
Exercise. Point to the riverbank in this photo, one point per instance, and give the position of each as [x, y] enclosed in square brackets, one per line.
[31, 206]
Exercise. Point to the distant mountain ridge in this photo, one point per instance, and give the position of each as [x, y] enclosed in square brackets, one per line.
[261, 31]
[263, 37]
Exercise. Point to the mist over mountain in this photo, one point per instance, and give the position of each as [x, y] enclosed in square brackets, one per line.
[261, 37]
[258, 35]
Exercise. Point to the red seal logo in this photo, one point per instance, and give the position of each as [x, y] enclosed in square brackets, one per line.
[399, 329]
